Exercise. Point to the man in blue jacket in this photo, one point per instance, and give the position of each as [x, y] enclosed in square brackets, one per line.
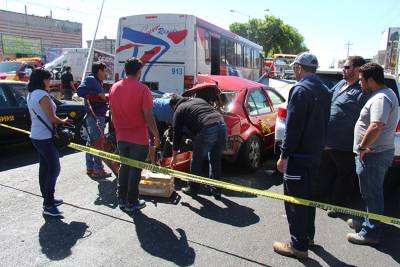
[306, 127]
[338, 171]
[92, 88]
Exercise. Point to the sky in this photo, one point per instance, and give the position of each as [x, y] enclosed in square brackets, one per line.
[325, 24]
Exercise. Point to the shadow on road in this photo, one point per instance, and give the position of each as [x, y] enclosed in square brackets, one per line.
[390, 242]
[329, 259]
[57, 237]
[107, 193]
[159, 240]
[234, 214]
[16, 156]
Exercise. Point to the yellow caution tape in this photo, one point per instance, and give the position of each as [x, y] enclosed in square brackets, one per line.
[229, 186]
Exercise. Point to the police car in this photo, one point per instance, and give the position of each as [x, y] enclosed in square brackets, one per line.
[14, 112]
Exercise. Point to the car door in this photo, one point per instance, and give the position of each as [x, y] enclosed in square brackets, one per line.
[19, 94]
[261, 115]
[11, 114]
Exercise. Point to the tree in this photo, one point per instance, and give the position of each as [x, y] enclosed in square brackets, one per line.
[273, 34]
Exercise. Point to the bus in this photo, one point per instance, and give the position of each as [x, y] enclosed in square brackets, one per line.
[281, 63]
[175, 48]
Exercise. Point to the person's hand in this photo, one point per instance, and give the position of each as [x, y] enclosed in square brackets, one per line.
[281, 165]
[363, 153]
[157, 142]
[173, 162]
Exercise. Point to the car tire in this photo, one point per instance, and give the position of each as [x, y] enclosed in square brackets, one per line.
[80, 133]
[251, 153]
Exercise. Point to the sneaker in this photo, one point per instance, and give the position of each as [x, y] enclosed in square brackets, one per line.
[57, 202]
[189, 191]
[52, 211]
[361, 239]
[102, 174]
[121, 203]
[354, 224]
[140, 204]
[286, 249]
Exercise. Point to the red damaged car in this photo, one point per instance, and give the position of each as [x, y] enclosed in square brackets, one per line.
[249, 113]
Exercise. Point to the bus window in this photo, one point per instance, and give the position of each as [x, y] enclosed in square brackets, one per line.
[257, 60]
[230, 53]
[247, 58]
[239, 56]
[222, 52]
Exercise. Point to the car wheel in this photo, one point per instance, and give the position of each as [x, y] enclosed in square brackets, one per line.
[81, 133]
[251, 153]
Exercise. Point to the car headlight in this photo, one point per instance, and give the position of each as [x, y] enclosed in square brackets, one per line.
[72, 114]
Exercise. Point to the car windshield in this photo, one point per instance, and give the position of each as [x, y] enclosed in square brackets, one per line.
[9, 67]
[228, 98]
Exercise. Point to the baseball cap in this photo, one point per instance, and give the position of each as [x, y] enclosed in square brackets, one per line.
[306, 59]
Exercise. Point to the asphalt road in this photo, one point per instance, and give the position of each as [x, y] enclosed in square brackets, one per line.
[237, 231]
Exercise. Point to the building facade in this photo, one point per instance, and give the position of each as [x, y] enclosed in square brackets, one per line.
[24, 35]
[105, 44]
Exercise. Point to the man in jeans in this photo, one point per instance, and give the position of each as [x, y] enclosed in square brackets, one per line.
[338, 171]
[209, 131]
[132, 112]
[67, 84]
[92, 88]
[374, 145]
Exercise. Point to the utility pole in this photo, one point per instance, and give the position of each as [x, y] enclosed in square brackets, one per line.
[348, 44]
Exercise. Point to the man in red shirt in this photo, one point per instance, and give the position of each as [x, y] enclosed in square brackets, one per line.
[132, 112]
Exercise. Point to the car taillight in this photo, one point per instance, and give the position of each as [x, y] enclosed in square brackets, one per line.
[188, 82]
[398, 127]
[116, 76]
[282, 112]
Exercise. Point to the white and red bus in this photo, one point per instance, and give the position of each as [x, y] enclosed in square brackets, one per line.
[177, 47]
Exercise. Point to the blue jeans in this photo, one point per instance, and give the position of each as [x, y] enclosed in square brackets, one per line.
[371, 174]
[49, 169]
[209, 145]
[93, 162]
[129, 177]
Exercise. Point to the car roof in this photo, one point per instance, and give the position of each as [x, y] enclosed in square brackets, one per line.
[229, 83]
[340, 72]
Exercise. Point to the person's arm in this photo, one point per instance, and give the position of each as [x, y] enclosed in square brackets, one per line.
[71, 83]
[295, 121]
[61, 88]
[45, 104]
[177, 126]
[151, 123]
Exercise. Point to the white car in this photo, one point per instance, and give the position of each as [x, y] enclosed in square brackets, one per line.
[329, 77]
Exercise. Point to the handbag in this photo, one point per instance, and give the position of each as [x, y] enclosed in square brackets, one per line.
[62, 136]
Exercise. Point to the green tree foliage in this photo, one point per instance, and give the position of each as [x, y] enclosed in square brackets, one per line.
[273, 34]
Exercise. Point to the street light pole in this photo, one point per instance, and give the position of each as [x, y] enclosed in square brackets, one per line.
[248, 20]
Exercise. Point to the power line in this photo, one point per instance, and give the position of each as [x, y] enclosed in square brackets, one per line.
[65, 9]
[348, 44]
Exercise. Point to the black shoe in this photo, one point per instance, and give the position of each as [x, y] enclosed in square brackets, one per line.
[189, 191]
[216, 192]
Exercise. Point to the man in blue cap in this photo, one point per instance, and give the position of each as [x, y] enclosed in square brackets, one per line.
[306, 127]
